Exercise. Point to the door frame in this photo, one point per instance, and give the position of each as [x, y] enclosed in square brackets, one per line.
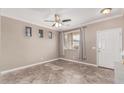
[97, 58]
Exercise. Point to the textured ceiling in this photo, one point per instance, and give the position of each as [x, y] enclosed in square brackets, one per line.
[79, 16]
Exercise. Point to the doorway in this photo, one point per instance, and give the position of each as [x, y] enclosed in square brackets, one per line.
[109, 47]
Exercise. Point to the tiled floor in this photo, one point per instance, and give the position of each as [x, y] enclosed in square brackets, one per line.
[60, 72]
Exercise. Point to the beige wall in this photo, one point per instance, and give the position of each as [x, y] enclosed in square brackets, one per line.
[18, 50]
[91, 37]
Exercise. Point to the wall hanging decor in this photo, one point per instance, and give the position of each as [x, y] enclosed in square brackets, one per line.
[50, 35]
[40, 33]
[28, 31]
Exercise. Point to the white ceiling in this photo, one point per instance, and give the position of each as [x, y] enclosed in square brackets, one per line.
[79, 16]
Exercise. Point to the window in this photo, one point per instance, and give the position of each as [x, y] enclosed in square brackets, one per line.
[72, 40]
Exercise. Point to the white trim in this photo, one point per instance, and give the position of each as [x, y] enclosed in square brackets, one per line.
[4, 13]
[93, 22]
[102, 19]
[23, 67]
[79, 62]
[26, 21]
[97, 54]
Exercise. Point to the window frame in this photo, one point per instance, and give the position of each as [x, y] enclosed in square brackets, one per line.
[66, 42]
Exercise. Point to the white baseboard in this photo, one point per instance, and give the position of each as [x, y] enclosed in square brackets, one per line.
[79, 62]
[27, 66]
[23, 67]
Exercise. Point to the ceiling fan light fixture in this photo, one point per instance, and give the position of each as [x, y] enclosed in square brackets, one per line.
[106, 11]
[58, 24]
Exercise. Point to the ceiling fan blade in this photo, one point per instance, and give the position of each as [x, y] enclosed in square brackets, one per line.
[66, 20]
[49, 21]
[53, 25]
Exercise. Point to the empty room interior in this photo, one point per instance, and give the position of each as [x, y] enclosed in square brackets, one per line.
[61, 46]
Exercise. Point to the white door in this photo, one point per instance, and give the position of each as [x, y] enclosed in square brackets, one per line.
[109, 47]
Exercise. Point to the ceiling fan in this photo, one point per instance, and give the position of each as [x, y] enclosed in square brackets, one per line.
[57, 22]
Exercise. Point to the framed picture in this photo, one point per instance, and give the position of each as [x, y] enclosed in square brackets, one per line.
[28, 31]
[40, 33]
[50, 35]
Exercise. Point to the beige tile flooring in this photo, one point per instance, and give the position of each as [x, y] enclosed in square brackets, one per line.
[60, 72]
